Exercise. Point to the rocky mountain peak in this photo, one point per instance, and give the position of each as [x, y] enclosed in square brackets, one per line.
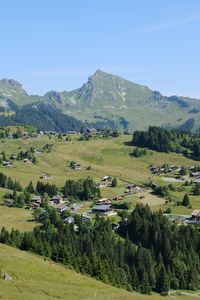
[10, 83]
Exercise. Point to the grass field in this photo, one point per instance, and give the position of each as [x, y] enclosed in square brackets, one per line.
[33, 278]
[107, 156]
[16, 218]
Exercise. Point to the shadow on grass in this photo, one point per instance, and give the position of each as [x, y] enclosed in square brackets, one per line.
[128, 143]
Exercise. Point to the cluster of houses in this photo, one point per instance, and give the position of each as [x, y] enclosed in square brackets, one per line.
[194, 218]
[57, 201]
[161, 170]
[26, 135]
[157, 170]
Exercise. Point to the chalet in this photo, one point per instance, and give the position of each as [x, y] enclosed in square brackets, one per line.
[195, 174]
[174, 168]
[45, 176]
[8, 202]
[13, 157]
[157, 170]
[101, 209]
[57, 199]
[69, 220]
[130, 186]
[104, 201]
[196, 214]
[106, 178]
[191, 168]
[138, 189]
[76, 166]
[36, 199]
[91, 131]
[61, 207]
[34, 205]
[6, 163]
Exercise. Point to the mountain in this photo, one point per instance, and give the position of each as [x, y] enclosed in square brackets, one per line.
[108, 98]
[13, 95]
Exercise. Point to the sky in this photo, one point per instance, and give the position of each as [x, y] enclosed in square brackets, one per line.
[56, 44]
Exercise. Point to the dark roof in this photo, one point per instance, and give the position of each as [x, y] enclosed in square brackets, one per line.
[101, 207]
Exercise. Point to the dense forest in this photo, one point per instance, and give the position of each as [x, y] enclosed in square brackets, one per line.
[163, 140]
[42, 116]
[154, 255]
[48, 117]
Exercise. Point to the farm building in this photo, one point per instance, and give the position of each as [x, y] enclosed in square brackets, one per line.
[196, 214]
[57, 199]
[102, 209]
[106, 178]
[8, 202]
[61, 207]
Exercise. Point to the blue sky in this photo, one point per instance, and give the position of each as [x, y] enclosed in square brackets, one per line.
[57, 44]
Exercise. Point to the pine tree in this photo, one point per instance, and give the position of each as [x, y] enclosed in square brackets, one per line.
[114, 182]
[197, 189]
[162, 283]
[186, 200]
[30, 188]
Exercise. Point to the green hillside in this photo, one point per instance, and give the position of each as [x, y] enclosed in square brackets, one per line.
[36, 278]
[33, 278]
[105, 156]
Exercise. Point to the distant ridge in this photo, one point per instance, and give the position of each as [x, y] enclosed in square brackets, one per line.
[106, 97]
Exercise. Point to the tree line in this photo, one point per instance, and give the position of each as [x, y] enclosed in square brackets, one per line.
[162, 140]
[154, 254]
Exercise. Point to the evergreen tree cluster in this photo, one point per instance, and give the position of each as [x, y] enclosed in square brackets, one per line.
[19, 200]
[43, 116]
[154, 255]
[29, 154]
[83, 189]
[7, 182]
[137, 152]
[163, 140]
[42, 188]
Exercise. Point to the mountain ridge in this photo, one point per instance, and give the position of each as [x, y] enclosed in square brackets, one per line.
[109, 97]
